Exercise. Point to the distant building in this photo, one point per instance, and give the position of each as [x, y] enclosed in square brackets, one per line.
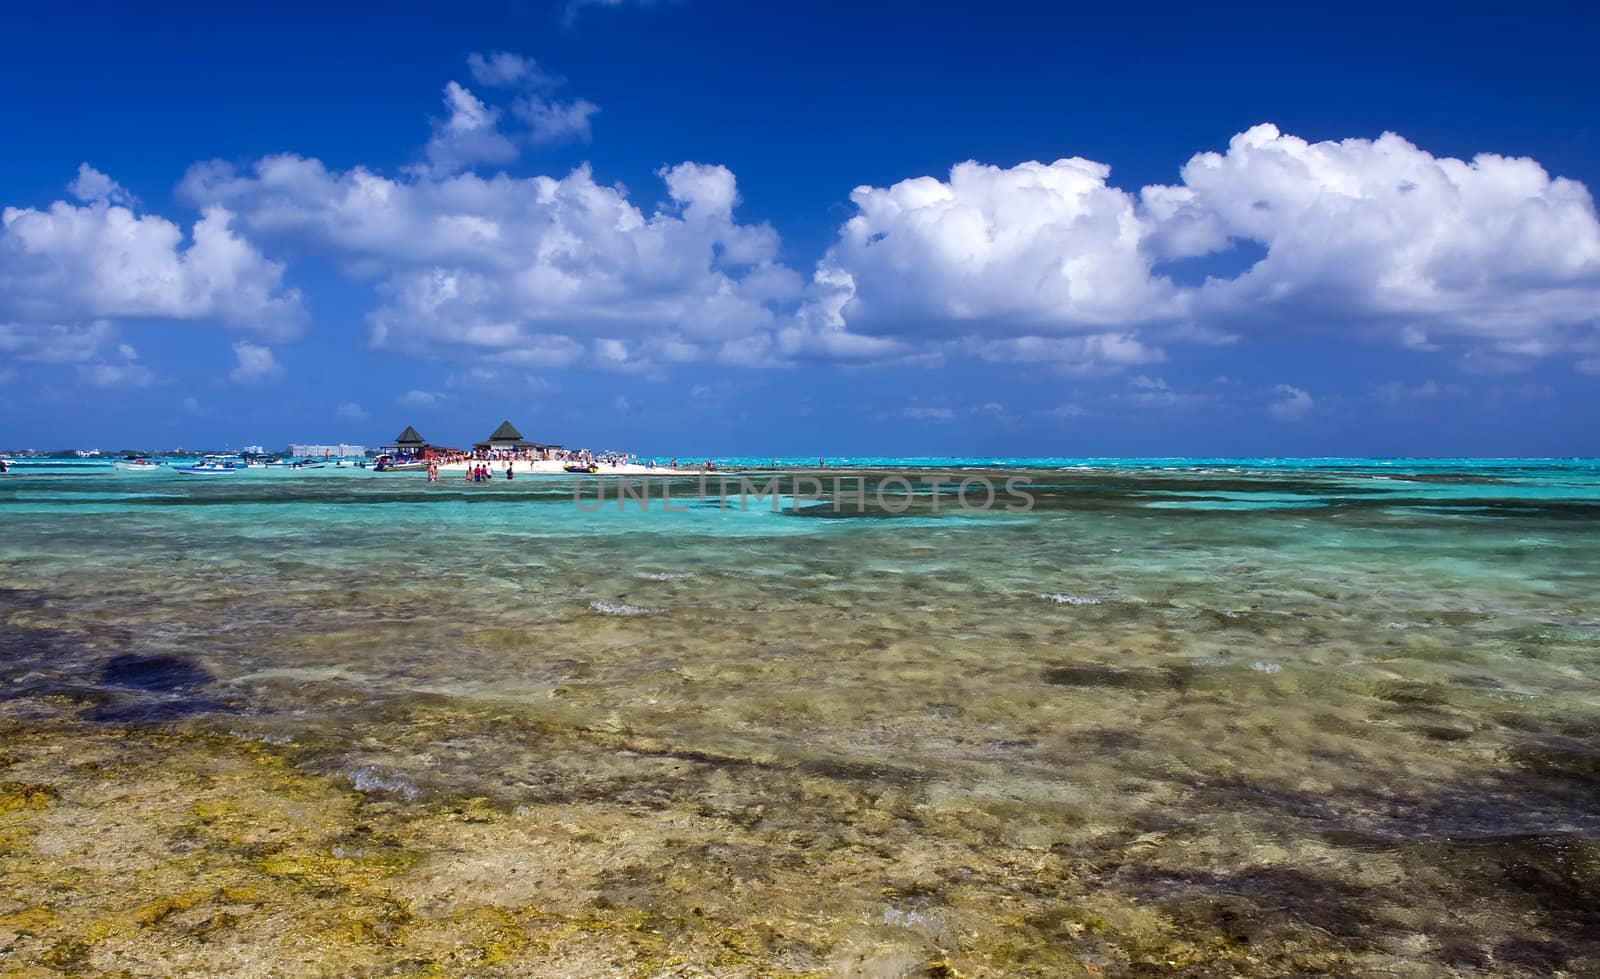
[254, 450]
[340, 451]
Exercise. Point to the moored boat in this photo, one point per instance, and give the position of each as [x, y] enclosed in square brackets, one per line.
[213, 465]
[389, 464]
[138, 465]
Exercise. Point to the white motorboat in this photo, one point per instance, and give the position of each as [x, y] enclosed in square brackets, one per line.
[138, 466]
[213, 465]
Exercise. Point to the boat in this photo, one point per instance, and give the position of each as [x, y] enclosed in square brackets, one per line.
[138, 465]
[213, 465]
[389, 464]
[591, 468]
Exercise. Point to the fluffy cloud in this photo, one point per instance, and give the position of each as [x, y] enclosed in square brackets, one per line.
[474, 132]
[503, 69]
[256, 364]
[1156, 392]
[1490, 259]
[1426, 391]
[1374, 236]
[351, 412]
[418, 399]
[1077, 355]
[469, 134]
[94, 187]
[1381, 233]
[53, 343]
[125, 372]
[551, 121]
[65, 268]
[1291, 404]
[116, 375]
[538, 271]
[1033, 248]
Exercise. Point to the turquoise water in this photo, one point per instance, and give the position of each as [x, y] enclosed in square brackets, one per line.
[1252, 716]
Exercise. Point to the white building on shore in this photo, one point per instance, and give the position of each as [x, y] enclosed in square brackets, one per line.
[339, 451]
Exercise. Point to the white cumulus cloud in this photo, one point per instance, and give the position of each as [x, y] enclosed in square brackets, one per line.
[1376, 237]
[469, 134]
[125, 372]
[1291, 404]
[93, 187]
[552, 121]
[527, 271]
[474, 132]
[256, 364]
[66, 269]
[54, 343]
[504, 69]
[116, 375]
[1383, 234]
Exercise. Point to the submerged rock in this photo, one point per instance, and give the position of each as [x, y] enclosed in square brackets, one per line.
[159, 673]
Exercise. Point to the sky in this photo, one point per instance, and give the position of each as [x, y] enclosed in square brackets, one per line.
[705, 228]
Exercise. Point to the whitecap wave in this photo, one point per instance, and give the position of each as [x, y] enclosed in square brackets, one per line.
[369, 779]
[1061, 599]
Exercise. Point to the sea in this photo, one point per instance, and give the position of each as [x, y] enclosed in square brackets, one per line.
[1190, 717]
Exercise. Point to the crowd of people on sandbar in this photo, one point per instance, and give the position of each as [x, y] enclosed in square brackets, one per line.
[581, 457]
[483, 466]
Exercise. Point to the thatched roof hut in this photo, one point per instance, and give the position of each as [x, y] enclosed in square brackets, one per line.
[507, 437]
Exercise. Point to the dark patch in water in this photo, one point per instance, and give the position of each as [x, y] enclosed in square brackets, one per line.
[1443, 732]
[133, 712]
[1246, 905]
[1545, 888]
[1560, 758]
[158, 673]
[1552, 879]
[1412, 694]
[831, 768]
[17, 599]
[141, 689]
[1117, 677]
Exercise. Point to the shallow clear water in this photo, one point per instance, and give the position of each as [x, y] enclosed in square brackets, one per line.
[1248, 716]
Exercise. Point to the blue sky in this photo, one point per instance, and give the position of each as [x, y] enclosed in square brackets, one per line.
[728, 228]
